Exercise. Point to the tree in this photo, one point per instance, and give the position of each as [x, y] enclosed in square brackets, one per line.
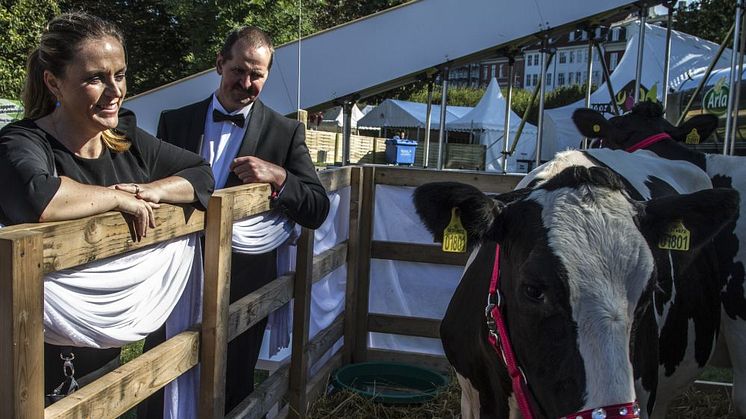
[21, 23]
[708, 19]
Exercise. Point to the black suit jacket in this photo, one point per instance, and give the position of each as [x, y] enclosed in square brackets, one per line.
[270, 137]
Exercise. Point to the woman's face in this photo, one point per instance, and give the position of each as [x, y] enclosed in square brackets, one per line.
[92, 86]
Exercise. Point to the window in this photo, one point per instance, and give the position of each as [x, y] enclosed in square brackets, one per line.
[535, 79]
[572, 57]
[571, 37]
[549, 79]
[562, 58]
[613, 61]
[501, 71]
[578, 78]
[494, 70]
[615, 34]
[596, 78]
[528, 80]
[560, 79]
[529, 60]
[570, 79]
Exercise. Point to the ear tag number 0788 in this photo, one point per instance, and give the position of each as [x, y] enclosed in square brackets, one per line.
[454, 236]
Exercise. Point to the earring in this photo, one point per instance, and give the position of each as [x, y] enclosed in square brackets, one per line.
[57, 104]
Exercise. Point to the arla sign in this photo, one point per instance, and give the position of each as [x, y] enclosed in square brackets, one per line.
[715, 100]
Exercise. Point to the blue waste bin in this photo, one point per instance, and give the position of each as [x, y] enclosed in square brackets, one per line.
[400, 151]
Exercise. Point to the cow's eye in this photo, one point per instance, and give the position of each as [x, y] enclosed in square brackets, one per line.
[533, 292]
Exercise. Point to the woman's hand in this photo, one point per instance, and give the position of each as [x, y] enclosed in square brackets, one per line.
[145, 191]
[140, 212]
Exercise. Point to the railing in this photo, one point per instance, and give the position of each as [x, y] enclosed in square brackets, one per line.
[29, 251]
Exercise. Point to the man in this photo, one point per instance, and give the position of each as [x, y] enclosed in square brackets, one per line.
[247, 142]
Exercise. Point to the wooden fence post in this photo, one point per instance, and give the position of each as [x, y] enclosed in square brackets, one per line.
[350, 316]
[301, 318]
[363, 277]
[21, 330]
[214, 344]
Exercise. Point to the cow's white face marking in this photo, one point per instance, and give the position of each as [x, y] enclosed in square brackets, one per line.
[608, 263]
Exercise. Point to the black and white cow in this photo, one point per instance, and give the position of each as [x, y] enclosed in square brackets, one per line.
[644, 127]
[582, 281]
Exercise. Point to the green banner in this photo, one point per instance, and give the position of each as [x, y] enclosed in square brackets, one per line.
[10, 110]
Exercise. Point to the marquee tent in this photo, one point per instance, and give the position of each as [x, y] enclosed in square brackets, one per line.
[487, 121]
[403, 114]
[690, 55]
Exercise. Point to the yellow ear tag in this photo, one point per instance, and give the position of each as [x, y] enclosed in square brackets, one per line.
[596, 128]
[454, 236]
[693, 137]
[676, 237]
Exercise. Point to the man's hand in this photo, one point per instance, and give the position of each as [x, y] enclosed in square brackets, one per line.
[252, 169]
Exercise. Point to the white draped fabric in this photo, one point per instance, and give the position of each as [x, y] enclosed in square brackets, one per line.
[118, 300]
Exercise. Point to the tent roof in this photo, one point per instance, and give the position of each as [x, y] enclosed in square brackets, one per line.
[689, 54]
[336, 115]
[489, 114]
[404, 114]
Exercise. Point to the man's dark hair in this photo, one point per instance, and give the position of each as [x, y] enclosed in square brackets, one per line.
[253, 36]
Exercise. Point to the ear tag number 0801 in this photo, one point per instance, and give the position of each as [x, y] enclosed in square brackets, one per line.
[676, 237]
[454, 236]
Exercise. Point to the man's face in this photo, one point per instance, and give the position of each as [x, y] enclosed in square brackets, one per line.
[243, 75]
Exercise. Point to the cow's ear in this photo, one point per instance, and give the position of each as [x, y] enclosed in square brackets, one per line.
[695, 129]
[592, 124]
[688, 221]
[477, 211]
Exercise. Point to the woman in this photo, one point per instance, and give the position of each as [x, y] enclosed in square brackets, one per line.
[77, 153]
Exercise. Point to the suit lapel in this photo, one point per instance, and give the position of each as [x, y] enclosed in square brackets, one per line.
[196, 131]
[254, 130]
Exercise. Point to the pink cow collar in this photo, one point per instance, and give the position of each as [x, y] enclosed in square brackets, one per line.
[647, 142]
[500, 341]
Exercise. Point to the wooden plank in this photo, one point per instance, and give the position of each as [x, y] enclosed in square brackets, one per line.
[407, 176]
[404, 325]
[335, 179]
[301, 319]
[250, 309]
[329, 260]
[266, 395]
[248, 200]
[21, 335]
[435, 362]
[216, 299]
[413, 252]
[318, 384]
[325, 339]
[71, 243]
[364, 252]
[352, 264]
[118, 391]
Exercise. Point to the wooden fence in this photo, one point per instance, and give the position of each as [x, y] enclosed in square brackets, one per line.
[325, 148]
[29, 251]
[366, 322]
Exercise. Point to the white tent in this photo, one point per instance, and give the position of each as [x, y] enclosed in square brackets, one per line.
[487, 120]
[403, 114]
[689, 55]
[336, 116]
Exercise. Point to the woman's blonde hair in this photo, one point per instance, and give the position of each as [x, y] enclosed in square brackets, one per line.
[59, 44]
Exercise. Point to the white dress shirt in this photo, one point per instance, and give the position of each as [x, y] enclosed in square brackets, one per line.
[222, 141]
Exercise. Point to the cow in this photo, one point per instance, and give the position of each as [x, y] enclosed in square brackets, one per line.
[645, 128]
[587, 294]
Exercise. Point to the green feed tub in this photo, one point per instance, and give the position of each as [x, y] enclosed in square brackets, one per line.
[390, 382]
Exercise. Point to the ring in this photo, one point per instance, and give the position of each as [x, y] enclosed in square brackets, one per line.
[137, 189]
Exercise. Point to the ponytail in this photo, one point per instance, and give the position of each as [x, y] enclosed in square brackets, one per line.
[38, 101]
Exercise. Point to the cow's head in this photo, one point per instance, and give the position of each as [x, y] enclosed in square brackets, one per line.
[643, 121]
[577, 273]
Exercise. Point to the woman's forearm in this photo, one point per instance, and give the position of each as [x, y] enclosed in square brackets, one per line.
[76, 200]
[173, 189]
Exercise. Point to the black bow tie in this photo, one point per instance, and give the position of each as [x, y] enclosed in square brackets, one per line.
[237, 119]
